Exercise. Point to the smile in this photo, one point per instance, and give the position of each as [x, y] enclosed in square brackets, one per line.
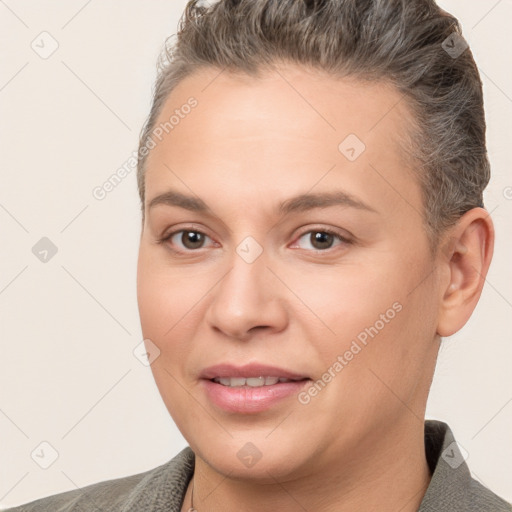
[253, 382]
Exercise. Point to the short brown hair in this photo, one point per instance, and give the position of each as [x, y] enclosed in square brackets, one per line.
[405, 42]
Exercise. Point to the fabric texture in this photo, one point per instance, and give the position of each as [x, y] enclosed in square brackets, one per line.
[162, 489]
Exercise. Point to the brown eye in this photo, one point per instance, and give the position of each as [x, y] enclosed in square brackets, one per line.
[192, 239]
[184, 240]
[321, 239]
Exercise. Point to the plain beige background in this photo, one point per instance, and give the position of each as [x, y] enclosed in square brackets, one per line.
[68, 327]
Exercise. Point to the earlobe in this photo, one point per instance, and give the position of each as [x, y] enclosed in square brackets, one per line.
[466, 261]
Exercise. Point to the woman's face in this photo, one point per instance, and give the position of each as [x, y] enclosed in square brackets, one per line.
[340, 300]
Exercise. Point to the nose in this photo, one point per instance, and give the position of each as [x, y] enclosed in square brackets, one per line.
[249, 299]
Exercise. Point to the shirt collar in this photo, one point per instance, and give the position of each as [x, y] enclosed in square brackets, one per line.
[451, 487]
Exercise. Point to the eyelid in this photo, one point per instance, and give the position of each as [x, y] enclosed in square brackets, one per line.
[169, 234]
[344, 238]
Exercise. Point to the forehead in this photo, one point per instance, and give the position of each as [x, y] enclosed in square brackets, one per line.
[292, 121]
[291, 98]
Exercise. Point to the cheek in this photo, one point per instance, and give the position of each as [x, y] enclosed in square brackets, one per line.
[345, 302]
[154, 300]
[396, 361]
[164, 299]
[163, 304]
[373, 318]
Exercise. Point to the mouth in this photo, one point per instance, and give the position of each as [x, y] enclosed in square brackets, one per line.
[253, 373]
[252, 382]
[251, 388]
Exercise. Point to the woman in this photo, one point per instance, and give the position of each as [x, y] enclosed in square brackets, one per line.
[310, 231]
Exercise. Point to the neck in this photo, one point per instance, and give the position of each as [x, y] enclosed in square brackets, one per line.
[387, 473]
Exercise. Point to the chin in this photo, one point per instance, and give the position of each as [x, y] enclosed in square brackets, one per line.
[255, 457]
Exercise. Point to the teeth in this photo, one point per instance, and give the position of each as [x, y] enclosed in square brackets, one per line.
[253, 382]
[233, 382]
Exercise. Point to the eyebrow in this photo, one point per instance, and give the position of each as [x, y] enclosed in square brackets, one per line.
[299, 203]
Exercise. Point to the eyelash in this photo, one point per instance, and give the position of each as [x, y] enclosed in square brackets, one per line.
[333, 232]
[343, 239]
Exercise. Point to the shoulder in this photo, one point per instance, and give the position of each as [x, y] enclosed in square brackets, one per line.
[106, 495]
[483, 499]
[452, 486]
[160, 488]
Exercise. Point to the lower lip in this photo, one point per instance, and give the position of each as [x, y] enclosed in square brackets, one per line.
[246, 399]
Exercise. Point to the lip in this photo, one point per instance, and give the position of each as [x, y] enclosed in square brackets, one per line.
[246, 399]
[248, 370]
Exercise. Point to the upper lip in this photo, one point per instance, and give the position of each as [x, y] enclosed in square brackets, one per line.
[248, 370]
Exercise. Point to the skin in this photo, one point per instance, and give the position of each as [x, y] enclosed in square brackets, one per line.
[248, 145]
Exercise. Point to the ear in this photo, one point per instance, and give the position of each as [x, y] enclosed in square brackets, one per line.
[465, 260]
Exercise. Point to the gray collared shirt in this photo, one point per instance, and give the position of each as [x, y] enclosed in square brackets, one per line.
[163, 488]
